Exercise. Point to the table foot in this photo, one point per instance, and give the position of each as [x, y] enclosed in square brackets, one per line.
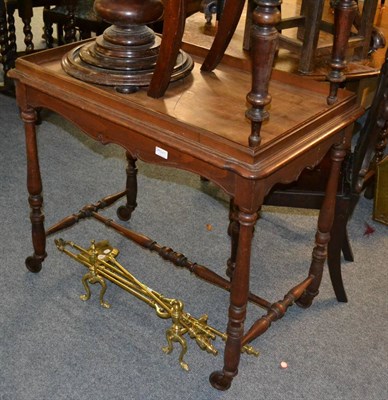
[127, 89]
[34, 263]
[124, 213]
[220, 381]
[306, 300]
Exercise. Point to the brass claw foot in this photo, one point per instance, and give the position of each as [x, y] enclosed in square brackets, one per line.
[173, 337]
[84, 297]
[91, 278]
[175, 333]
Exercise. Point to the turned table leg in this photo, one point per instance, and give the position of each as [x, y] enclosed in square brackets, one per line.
[125, 212]
[238, 303]
[35, 199]
[325, 222]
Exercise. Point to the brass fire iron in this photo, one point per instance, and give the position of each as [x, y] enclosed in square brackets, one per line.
[100, 259]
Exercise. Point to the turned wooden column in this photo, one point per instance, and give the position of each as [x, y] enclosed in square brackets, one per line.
[4, 49]
[344, 14]
[126, 55]
[264, 42]
[238, 303]
[26, 14]
[11, 36]
[69, 26]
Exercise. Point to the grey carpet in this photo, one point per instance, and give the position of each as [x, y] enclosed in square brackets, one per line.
[54, 346]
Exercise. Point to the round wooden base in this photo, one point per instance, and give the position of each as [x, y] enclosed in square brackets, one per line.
[126, 75]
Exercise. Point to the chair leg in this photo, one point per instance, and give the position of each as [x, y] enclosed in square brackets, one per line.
[325, 223]
[11, 34]
[365, 27]
[248, 25]
[313, 10]
[69, 26]
[345, 11]
[60, 35]
[48, 27]
[226, 28]
[347, 248]
[26, 13]
[173, 28]
[338, 237]
[4, 48]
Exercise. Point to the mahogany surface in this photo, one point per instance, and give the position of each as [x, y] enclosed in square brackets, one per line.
[200, 126]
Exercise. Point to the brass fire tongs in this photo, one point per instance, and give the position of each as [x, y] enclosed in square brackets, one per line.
[100, 259]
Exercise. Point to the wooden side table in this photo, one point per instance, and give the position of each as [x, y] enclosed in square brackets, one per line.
[200, 126]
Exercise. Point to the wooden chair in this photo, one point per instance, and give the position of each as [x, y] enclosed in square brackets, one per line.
[309, 24]
[73, 17]
[308, 191]
[357, 173]
[9, 51]
[372, 143]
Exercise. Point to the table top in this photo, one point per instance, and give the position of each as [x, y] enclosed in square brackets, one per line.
[201, 114]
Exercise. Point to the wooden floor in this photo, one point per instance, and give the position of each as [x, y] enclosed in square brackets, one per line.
[198, 32]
